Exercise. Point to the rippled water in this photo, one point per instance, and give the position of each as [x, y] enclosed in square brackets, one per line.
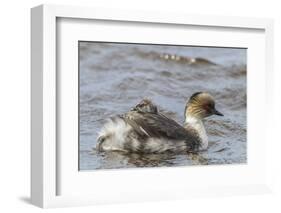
[115, 77]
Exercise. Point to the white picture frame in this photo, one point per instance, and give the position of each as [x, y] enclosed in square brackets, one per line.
[45, 170]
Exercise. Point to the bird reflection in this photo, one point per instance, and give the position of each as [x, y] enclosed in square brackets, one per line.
[136, 160]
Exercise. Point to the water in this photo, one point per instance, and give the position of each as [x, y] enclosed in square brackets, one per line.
[115, 77]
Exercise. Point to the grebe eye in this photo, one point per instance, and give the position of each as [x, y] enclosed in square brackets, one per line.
[209, 107]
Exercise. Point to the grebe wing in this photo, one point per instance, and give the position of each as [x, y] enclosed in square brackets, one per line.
[157, 125]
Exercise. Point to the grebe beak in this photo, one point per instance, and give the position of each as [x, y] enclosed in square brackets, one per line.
[216, 112]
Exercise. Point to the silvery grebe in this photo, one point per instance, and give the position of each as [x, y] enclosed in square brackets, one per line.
[145, 130]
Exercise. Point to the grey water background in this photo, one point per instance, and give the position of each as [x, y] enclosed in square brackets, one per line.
[114, 77]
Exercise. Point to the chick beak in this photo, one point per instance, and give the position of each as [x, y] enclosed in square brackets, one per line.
[216, 112]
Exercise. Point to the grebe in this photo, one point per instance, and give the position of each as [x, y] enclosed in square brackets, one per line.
[145, 130]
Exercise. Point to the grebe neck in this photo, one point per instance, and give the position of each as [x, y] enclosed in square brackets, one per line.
[197, 124]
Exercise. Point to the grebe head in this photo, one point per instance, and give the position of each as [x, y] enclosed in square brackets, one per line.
[146, 105]
[201, 105]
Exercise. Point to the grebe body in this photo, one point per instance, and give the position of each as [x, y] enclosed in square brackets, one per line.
[145, 130]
